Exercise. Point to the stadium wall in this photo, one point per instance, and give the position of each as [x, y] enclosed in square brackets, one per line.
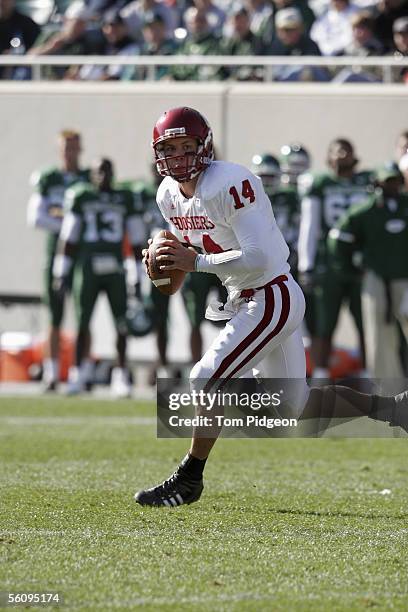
[116, 120]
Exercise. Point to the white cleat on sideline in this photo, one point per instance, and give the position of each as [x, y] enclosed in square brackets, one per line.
[401, 411]
[75, 383]
[120, 383]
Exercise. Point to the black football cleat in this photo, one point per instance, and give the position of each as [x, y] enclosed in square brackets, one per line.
[177, 490]
[50, 387]
[400, 415]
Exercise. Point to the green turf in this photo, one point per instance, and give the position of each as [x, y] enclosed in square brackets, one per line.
[282, 524]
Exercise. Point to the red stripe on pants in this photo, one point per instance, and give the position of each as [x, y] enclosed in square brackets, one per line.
[255, 333]
[279, 326]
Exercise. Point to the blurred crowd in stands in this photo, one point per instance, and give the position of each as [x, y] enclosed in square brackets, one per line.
[354, 28]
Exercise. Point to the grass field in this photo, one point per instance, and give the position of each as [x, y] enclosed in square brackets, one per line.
[282, 524]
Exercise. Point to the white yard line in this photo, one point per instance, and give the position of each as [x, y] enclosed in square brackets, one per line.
[55, 421]
[100, 392]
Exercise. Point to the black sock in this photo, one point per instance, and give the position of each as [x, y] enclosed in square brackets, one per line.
[192, 466]
[383, 408]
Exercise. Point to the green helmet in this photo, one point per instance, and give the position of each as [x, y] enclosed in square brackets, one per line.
[267, 167]
[294, 160]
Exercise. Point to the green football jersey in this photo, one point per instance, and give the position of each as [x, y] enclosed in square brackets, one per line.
[377, 229]
[144, 195]
[285, 206]
[335, 196]
[52, 184]
[103, 217]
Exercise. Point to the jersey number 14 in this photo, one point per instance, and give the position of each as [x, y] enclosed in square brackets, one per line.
[246, 191]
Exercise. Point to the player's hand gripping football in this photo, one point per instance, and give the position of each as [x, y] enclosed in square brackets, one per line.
[172, 255]
[145, 256]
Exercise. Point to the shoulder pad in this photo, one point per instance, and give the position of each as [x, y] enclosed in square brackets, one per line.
[39, 177]
[221, 175]
[76, 192]
[166, 187]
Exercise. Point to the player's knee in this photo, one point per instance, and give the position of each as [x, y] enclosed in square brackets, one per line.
[199, 375]
[121, 326]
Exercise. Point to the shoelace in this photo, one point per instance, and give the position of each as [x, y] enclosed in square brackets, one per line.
[168, 485]
[168, 493]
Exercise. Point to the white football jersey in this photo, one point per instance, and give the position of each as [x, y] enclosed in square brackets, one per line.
[227, 195]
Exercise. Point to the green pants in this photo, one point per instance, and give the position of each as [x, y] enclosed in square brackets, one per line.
[329, 293]
[158, 304]
[87, 286]
[54, 303]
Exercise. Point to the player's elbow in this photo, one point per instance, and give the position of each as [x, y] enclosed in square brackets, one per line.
[257, 260]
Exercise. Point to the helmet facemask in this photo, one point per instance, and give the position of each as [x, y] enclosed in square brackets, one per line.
[294, 161]
[267, 167]
[191, 163]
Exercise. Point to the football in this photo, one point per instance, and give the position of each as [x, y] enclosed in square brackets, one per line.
[166, 281]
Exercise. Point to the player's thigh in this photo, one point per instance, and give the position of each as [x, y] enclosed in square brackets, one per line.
[327, 299]
[85, 289]
[54, 302]
[258, 328]
[115, 288]
[287, 360]
[284, 368]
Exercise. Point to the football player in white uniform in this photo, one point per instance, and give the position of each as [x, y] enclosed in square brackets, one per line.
[222, 209]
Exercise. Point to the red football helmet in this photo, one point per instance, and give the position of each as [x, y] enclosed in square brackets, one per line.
[183, 122]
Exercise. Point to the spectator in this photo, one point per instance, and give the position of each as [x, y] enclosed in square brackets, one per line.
[364, 43]
[215, 15]
[136, 12]
[155, 42]
[390, 11]
[118, 42]
[261, 15]
[18, 33]
[242, 41]
[199, 41]
[308, 16]
[400, 32]
[71, 38]
[332, 30]
[99, 7]
[291, 39]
